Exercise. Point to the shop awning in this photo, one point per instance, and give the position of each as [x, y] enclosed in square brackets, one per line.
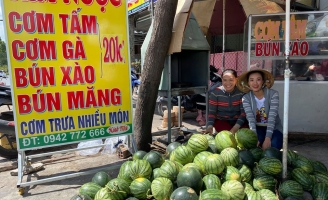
[236, 13]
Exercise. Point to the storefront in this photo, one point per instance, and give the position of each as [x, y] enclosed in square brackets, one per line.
[264, 44]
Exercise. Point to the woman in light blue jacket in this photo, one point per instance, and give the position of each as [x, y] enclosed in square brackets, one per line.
[261, 107]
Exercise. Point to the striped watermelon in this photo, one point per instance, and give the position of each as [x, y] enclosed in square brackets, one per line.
[140, 188]
[291, 156]
[209, 137]
[192, 165]
[214, 164]
[106, 193]
[119, 185]
[234, 189]
[257, 153]
[230, 156]
[248, 188]
[211, 181]
[231, 173]
[200, 159]
[140, 169]
[303, 178]
[318, 166]
[264, 182]
[124, 172]
[321, 177]
[320, 191]
[90, 189]
[252, 195]
[225, 139]
[184, 192]
[139, 155]
[197, 143]
[245, 173]
[154, 158]
[162, 188]
[182, 154]
[171, 147]
[246, 138]
[213, 194]
[190, 177]
[156, 173]
[246, 158]
[290, 188]
[212, 147]
[257, 171]
[267, 194]
[270, 165]
[169, 170]
[304, 163]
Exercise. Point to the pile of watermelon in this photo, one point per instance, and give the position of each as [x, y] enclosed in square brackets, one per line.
[227, 166]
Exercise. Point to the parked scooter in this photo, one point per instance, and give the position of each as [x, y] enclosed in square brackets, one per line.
[135, 82]
[189, 102]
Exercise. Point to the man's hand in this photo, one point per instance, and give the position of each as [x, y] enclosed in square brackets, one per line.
[312, 67]
[234, 129]
[208, 130]
[266, 143]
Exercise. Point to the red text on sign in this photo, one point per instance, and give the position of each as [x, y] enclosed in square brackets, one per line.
[112, 50]
[34, 76]
[84, 24]
[73, 51]
[34, 49]
[79, 75]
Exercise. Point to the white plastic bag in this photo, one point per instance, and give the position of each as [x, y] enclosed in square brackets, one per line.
[89, 152]
[112, 144]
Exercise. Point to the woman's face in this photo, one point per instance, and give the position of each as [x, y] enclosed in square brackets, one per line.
[229, 82]
[325, 63]
[255, 82]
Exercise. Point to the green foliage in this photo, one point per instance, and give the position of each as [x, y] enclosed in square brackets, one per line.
[3, 54]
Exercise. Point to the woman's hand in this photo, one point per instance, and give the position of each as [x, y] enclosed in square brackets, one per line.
[208, 130]
[266, 143]
[312, 67]
[234, 129]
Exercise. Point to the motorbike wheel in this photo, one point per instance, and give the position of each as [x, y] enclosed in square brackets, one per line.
[161, 108]
[8, 147]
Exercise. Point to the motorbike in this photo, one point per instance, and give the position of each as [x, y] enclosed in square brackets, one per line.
[135, 82]
[189, 102]
[8, 148]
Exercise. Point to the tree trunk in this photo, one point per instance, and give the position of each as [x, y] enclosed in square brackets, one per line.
[152, 70]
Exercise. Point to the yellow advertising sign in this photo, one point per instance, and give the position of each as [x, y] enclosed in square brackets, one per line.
[70, 72]
[137, 5]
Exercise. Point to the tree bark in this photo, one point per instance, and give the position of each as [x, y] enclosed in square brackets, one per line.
[151, 75]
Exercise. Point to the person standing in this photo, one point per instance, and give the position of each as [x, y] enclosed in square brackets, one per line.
[261, 107]
[225, 106]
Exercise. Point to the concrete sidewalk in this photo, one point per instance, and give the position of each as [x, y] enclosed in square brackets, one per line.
[312, 146]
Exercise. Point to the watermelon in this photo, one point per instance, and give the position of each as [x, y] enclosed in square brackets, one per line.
[182, 154]
[257, 153]
[294, 198]
[162, 188]
[303, 178]
[248, 187]
[200, 159]
[231, 173]
[291, 156]
[192, 165]
[169, 170]
[106, 193]
[320, 191]
[234, 189]
[140, 188]
[184, 193]
[257, 171]
[318, 166]
[321, 177]
[245, 173]
[304, 163]
[140, 169]
[211, 181]
[89, 189]
[290, 188]
[209, 137]
[270, 165]
[213, 194]
[119, 185]
[252, 195]
[132, 198]
[197, 143]
[212, 147]
[154, 158]
[246, 138]
[101, 178]
[156, 173]
[190, 177]
[267, 194]
[80, 197]
[124, 172]
[230, 156]
[246, 158]
[225, 139]
[264, 182]
[214, 164]
[139, 155]
[272, 152]
[171, 147]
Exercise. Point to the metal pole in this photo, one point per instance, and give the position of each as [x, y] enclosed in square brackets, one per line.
[151, 10]
[169, 97]
[223, 35]
[286, 90]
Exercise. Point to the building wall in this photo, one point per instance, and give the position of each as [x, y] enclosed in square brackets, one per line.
[323, 5]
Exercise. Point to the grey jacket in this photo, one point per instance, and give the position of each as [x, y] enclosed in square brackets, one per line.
[271, 106]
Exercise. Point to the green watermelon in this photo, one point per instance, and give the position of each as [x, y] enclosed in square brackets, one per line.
[200, 159]
[248, 187]
[303, 163]
[212, 147]
[213, 194]
[162, 188]
[171, 147]
[209, 137]
[170, 170]
[321, 177]
[192, 165]
[245, 173]
[124, 172]
[154, 158]
[320, 191]
[211, 181]
[257, 171]
[225, 139]
[290, 188]
[231, 173]
[318, 166]
[184, 193]
[197, 143]
[101, 178]
[234, 189]
[230, 156]
[214, 164]
[264, 182]
[156, 173]
[89, 189]
[106, 193]
[182, 154]
[294, 198]
[252, 195]
[119, 185]
[291, 156]
[139, 155]
[246, 158]
[246, 138]
[257, 153]
[140, 169]
[140, 188]
[190, 177]
[270, 165]
[80, 197]
[303, 178]
[267, 194]
[272, 152]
